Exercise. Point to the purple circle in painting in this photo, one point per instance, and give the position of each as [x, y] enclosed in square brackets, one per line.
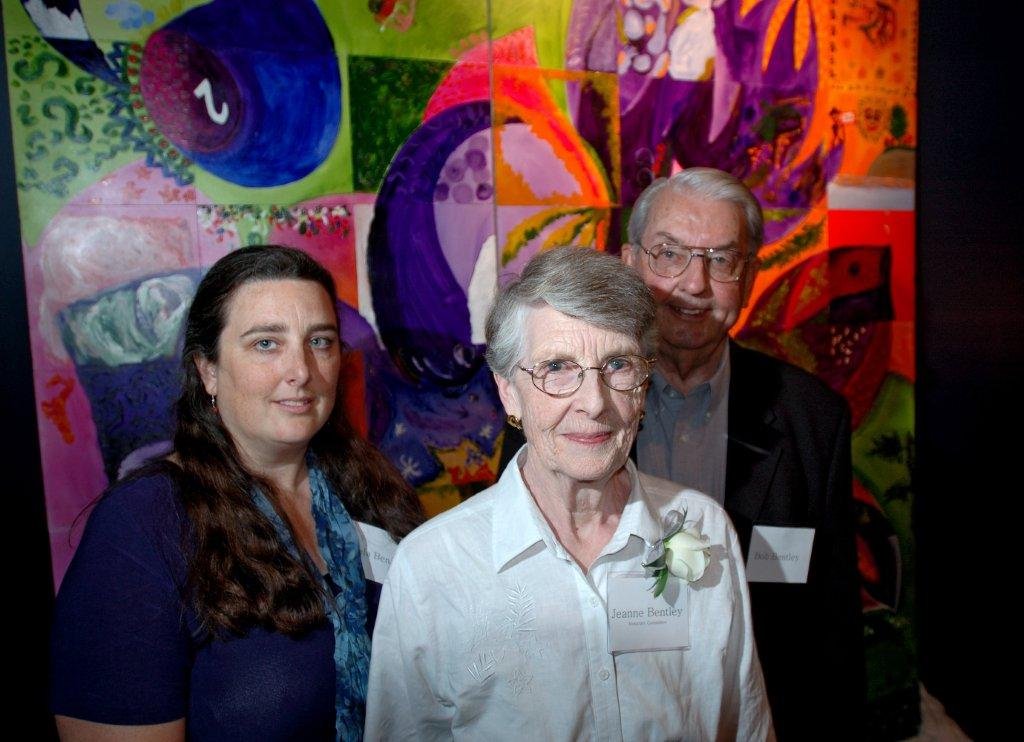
[190, 94]
[462, 194]
[484, 191]
[454, 171]
[441, 192]
[476, 159]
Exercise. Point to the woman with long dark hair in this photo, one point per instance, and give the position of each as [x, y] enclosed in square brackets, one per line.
[218, 593]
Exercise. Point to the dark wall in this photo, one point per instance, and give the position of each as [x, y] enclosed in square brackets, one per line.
[970, 351]
[28, 594]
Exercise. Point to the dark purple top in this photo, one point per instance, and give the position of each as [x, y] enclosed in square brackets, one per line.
[127, 647]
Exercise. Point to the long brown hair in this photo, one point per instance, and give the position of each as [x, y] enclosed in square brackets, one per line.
[239, 573]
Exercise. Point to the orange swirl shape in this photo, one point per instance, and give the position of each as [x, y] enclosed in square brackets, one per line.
[521, 94]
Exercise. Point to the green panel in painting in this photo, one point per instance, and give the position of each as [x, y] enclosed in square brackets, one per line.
[63, 137]
[419, 29]
[388, 97]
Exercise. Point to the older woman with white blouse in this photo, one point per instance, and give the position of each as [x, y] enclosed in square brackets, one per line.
[576, 599]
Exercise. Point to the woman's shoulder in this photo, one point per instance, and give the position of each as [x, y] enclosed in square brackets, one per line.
[145, 507]
[150, 492]
[469, 521]
[133, 543]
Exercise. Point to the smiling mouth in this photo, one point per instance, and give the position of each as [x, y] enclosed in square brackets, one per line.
[589, 438]
[687, 311]
[296, 405]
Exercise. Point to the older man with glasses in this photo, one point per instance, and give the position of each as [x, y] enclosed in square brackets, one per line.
[765, 439]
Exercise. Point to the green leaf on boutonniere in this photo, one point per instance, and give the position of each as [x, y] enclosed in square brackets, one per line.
[662, 581]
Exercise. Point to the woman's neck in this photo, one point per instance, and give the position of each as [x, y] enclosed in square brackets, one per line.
[290, 476]
[582, 515]
[287, 471]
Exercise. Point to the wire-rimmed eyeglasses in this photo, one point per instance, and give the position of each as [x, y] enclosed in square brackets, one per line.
[668, 259]
[560, 377]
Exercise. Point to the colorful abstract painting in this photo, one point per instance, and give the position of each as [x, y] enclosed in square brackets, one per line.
[425, 149]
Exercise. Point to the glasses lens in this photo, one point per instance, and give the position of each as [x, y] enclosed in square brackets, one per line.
[558, 376]
[625, 372]
[669, 260]
[723, 265]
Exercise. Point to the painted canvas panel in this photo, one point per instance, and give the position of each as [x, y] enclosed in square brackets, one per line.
[425, 149]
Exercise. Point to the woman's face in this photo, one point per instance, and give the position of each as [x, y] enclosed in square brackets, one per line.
[277, 373]
[584, 437]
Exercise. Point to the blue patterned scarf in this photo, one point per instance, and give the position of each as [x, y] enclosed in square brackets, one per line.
[339, 546]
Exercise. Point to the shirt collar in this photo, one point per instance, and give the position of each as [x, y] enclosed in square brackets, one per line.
[720, 380]
[637, 519]
[514, 527]
[718, 384]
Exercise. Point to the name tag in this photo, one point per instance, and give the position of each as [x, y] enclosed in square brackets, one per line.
[637, 621]
[779, 554]
[377, 549]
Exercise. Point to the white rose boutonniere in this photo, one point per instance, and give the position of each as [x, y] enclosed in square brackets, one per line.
[685, 553]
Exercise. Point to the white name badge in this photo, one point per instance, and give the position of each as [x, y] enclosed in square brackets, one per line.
[638, 621]
[377, 549]
[779, 554]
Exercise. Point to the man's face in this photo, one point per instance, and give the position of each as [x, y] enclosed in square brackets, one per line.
[694, 312]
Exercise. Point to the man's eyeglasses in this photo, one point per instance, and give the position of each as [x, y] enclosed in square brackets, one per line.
[559, 377]
[669, 260]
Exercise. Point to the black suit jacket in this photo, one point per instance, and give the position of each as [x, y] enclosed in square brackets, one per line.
[788, 464]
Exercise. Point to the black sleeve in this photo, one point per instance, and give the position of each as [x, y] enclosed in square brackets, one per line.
[121, 653]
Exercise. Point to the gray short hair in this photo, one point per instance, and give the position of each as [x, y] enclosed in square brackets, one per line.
[579, 282]
[707, 182]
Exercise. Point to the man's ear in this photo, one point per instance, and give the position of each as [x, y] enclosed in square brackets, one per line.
[749, 275]
[509, 396]
[208, 373]
[629, 256]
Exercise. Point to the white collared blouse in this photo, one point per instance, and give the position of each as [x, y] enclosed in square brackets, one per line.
[488, 629]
